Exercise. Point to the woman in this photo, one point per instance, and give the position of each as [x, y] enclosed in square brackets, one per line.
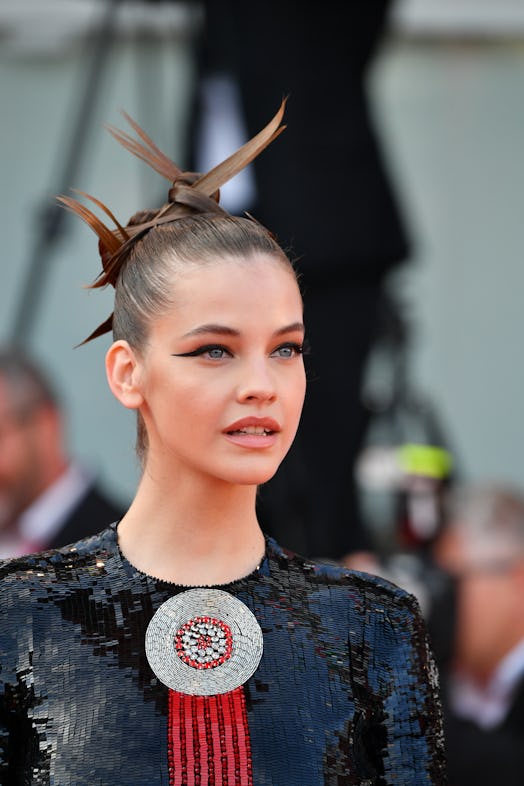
[181, 646]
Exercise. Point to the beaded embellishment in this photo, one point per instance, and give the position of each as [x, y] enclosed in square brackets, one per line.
[203, 642]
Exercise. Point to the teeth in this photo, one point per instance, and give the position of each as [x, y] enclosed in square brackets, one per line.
[259, 430]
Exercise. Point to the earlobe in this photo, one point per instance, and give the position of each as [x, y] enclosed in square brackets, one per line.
[123, 374]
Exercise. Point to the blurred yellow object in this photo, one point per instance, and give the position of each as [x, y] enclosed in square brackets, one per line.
[426, 460]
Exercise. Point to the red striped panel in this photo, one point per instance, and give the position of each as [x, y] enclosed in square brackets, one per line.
[208, 740]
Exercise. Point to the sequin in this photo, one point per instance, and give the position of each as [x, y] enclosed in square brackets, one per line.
[345, 692]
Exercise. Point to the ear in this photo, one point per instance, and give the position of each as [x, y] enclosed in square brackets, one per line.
[123, 369]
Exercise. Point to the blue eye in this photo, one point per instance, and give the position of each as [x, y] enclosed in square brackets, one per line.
[215, 353]
[288, 350]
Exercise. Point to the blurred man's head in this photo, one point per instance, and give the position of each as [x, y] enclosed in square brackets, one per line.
[482, 546]
[32, 454]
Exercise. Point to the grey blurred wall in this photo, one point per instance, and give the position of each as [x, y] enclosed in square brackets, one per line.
[450, 109]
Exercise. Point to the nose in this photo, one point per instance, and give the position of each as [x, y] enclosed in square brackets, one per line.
[256, 382]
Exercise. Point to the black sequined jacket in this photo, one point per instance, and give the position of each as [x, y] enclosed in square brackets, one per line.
[345, 692]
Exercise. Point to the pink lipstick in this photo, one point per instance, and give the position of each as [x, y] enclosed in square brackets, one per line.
[253, 432]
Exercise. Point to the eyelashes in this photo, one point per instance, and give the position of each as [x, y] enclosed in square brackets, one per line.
[293, 347]
[218, 351]
[207, 348]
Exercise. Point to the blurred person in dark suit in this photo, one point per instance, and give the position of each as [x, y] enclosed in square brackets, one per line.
[341, 221]
[47, 499]
[481, 548]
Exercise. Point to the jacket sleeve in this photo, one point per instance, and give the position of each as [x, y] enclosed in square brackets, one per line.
[398, 728]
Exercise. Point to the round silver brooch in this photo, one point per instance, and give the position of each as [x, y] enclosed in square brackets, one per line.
[203, 642]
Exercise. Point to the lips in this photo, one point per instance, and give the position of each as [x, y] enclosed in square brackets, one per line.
[253, 426]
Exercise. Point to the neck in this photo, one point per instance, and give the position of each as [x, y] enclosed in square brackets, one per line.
[203, 534]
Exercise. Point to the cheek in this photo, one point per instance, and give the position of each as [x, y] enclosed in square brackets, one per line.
[468, 636]
[195, 407]
[176, 394]
[13, 459]
[293, 408]
[297, 389]
[481, 613]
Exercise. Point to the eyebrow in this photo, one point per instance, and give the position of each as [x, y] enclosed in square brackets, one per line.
[223, 330]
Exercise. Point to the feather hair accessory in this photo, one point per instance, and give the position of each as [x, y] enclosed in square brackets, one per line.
[191, 193]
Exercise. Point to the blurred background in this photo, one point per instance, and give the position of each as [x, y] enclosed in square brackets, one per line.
[447, 94]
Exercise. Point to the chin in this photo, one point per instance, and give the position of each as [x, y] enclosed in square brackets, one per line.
[249, 470]
[252, 479]
[251, 476]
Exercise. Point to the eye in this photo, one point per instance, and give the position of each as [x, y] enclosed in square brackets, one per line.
[287, 350]
[216, 353]
[210, 351]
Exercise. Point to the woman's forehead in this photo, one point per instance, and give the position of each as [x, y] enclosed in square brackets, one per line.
[260, 292]
[232, 274]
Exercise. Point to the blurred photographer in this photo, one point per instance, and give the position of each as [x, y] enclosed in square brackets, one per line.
[481, 548]
[46, 498]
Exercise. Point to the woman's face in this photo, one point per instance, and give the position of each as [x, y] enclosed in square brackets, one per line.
[222, 377]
